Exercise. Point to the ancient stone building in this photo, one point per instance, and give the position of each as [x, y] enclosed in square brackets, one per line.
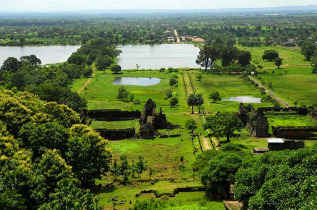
[254, 120]
[150, 121]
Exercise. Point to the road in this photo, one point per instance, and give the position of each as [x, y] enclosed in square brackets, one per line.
[269, 92]
[177, 37]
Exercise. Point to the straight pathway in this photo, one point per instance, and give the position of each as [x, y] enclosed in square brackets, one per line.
[177, 37]
[269, 92]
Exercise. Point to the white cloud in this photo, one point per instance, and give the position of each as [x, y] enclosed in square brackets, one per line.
[72, 5]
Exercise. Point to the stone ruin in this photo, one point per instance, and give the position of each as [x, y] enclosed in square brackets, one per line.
[254, 121]
[257, 124]
[150, 121]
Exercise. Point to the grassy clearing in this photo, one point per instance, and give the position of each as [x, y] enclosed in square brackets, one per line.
[227, 86]
[164, 154]
[300, 88]
[289, 56]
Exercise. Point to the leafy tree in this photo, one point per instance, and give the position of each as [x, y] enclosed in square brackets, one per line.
[88, 72]
[69, 195]
[115, 169]
[31, 59]
[133, 168]
[278, 62]
[191, 125]
[103, 62]
[199, 77]
[89, 155]
[191, 101]
[215, 96]
[173, 81]
[125, 176]
[219, 174]
[262, 181]
[244, 57]
[270, 55]
[308, 49]
[11, 65]
[223, 124]
[207, 56]
[123, 94]
[124, 164]
[116, 69]
[50, 169]
[199, 100]
[174, 102]
[229, 55]
[44, 136]
[141, 166]
[76, 59]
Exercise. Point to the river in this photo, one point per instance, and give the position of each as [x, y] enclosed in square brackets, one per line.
[47, 54]
[158, 56]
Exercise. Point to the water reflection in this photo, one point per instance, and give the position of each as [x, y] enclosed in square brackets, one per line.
[244, 99]
[141, 81]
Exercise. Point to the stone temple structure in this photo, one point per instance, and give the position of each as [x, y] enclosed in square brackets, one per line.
[150, 121]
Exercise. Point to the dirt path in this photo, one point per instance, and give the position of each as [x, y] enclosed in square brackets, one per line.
[177, 37]
[189, 88]
[206, 143]
[286, 65]
[269, 92]
[86, 84]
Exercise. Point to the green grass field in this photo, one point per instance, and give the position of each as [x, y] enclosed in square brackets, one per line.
[294, 82]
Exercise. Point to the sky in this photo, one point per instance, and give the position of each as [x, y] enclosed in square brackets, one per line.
[77, 5]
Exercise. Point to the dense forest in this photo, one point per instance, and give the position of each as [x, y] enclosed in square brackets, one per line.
[287, 30]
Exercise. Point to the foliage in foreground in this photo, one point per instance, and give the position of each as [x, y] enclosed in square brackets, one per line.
[44, 152]
[279, 180]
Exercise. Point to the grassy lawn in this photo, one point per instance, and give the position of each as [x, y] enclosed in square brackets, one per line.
[290, 56]
[164, 154]
[227, 86]
[294, 87]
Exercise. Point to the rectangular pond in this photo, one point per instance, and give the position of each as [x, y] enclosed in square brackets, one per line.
[158, 56]
[47, 54]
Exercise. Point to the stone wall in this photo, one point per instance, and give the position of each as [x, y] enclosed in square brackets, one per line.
[286, 145]
[113, 115]
[299, 132]
[113, 134]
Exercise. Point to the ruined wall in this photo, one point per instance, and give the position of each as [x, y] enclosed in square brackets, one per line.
[299, 132]
[112, 134]
[113, 115]
[287, 145]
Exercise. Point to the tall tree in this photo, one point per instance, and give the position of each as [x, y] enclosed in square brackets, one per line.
[229, 55]
[199, 100]
[11, 65]
[278, 62]
[141, 166]
[191, 101]
[270, 55]
[191, 125]
[223, 124]
[308, 49]
[244, 57]
[207, 56]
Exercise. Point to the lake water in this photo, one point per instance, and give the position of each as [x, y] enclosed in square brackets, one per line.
[47, 54]
[244, 99]
[158, 56]
[141, 81]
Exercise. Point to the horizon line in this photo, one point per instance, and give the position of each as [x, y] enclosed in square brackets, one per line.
[162, 9]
